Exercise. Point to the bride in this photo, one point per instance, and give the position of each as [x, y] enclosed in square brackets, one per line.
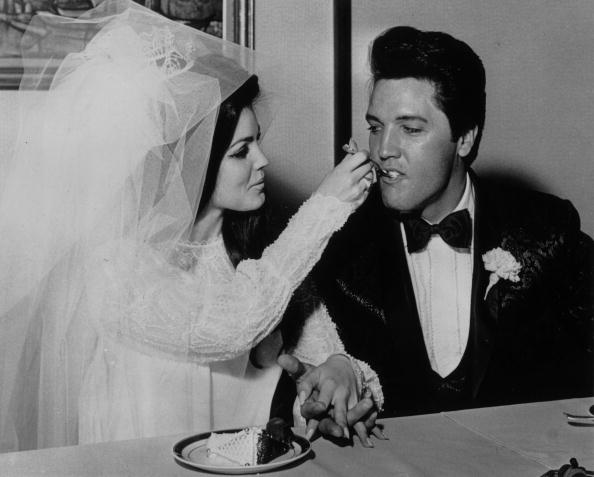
[133, 286]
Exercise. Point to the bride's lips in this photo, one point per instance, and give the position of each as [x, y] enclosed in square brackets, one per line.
[260, 183]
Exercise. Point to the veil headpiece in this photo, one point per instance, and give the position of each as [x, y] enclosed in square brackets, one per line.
[115, 129]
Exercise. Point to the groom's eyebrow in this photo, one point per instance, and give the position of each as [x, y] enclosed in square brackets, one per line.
[404, 117]
[411, 117]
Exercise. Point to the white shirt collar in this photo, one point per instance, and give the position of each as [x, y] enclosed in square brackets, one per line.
[467, 199]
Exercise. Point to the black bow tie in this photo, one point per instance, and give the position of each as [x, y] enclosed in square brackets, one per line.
[455, 230]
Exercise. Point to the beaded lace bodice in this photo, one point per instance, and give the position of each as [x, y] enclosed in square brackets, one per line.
[197, 306]
[209, 261]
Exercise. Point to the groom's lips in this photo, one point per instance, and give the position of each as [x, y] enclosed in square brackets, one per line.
[390, 174]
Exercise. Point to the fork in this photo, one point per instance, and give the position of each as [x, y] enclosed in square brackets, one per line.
[581, 420]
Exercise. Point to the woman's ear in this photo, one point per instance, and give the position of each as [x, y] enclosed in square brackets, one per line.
[466, 141]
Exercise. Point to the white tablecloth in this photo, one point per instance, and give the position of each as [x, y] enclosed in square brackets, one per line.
[524, 440]
[537, 431]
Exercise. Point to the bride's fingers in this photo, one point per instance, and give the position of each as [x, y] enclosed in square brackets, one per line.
[351, 147]
[362, 171]
[367, 181]
[353, 161]
[326, 392]
[311, 409]
[307, 383]
[311, 428]
[294, 367]
[371, 176]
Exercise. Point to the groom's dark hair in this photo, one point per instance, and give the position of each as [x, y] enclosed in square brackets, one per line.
[450, 65]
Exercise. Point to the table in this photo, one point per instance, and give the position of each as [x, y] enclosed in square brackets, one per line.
[520, 440]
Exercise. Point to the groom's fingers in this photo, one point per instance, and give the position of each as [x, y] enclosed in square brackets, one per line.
[328, 427]
[341, 396]
[360, 410]
[377, 432]
[361, 431]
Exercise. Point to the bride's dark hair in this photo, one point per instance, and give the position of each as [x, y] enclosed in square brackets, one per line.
[247, 233]
[243, 232]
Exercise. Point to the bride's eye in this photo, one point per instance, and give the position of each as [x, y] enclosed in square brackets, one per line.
[242, 153]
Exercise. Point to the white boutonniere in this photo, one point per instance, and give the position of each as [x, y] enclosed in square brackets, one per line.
[501, 264]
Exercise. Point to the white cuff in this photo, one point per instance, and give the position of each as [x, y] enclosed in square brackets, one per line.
[367, 379]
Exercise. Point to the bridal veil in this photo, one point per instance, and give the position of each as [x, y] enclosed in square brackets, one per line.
[115, 130]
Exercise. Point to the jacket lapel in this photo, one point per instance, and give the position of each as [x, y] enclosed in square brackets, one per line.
[483, 321]
[400, 304]
[379, 280]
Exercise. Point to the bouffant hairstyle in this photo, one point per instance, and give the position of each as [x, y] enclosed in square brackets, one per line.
[450, 65]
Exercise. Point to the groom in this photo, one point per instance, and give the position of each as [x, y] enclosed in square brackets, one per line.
[459, 293]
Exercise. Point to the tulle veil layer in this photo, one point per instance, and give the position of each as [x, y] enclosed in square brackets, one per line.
[115, 128]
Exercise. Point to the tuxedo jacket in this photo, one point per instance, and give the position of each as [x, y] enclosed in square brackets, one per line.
[530, 340]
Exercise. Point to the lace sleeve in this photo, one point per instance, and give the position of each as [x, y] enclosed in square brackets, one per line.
[182, 314]
[319, 339]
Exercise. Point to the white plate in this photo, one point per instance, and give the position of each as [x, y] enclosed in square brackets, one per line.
[191, 452]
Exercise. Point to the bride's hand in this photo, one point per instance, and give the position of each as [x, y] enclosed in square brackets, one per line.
[335, 387]
[329, 401]
[350, 180]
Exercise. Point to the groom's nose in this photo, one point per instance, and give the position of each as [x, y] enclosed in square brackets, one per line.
[389, 143]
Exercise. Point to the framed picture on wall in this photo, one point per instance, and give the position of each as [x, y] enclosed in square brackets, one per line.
[229, 19]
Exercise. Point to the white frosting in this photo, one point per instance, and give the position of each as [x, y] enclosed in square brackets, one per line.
[236, 448]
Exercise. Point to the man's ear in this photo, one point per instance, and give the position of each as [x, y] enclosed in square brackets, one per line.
[466, 141]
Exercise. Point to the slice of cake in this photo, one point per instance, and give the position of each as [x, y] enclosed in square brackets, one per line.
[250, 446]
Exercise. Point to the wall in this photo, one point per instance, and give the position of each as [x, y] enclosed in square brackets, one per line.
[297, 35]
[7, 125]
[539, 60]
[540, 69]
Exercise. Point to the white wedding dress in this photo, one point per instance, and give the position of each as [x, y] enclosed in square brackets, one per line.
[172, 351]
[111, 325]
